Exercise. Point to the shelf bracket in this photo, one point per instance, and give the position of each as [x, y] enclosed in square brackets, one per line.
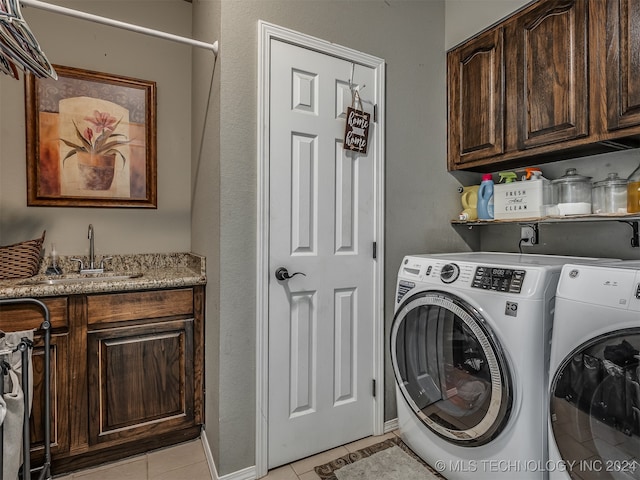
[635, 239]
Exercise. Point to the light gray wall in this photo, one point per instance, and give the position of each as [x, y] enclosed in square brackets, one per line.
[205, 213]
[421, 195]
[464, 18]
[82, 44]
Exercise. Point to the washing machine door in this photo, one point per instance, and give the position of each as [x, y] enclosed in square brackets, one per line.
[450, 368]
[595, 407]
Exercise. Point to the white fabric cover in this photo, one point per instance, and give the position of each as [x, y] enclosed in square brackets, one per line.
[13, 399]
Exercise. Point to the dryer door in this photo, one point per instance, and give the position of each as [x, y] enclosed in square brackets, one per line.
[595, 407]
[450, 368]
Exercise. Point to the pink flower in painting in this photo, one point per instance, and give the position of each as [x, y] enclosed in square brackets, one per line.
[105, 143]
[88, 134]
[102, 121]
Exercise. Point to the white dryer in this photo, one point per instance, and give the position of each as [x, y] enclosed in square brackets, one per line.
[469, 347]
[594, 394]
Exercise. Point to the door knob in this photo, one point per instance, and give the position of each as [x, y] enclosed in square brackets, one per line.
[283, 274]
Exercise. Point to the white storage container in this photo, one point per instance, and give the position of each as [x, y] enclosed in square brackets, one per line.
[525, 199]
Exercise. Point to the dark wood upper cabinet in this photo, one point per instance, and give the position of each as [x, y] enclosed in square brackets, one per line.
[623, 63]
[476, 98]
[550, 78]
[557, 79]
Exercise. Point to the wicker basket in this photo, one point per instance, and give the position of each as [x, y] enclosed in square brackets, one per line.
[21, 260]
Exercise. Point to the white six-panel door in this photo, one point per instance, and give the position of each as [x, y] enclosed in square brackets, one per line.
[322, 224]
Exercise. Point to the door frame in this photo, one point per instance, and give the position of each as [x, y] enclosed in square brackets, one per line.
[268, 32]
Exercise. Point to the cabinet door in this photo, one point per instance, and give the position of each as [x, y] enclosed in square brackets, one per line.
[623, 63]
[141, 380]
[550, 81]
[476, 99]
[59, 387]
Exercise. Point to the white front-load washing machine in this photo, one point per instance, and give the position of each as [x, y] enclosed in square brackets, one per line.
[594, 393]
[469, 347]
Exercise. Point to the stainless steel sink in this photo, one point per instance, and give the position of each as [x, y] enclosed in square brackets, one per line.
[103, 277]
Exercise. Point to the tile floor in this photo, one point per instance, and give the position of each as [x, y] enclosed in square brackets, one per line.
[187, 461]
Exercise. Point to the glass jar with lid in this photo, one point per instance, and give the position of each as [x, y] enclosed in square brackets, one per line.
[633, 191]
[609, 195]
[572, 193]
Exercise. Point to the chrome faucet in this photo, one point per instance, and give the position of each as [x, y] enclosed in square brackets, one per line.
[92, 252]
[91, 268]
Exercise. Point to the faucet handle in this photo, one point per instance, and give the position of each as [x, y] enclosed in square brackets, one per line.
[104, 259]
[79, 261]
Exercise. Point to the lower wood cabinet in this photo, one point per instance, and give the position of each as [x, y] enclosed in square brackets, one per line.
[140, 380]
[127, 373]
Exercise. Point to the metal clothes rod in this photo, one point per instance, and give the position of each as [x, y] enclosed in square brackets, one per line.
[116, 23]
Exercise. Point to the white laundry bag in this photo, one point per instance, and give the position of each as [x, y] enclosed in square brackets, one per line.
[13, 399]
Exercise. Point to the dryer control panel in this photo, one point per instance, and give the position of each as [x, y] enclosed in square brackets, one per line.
[498, 279]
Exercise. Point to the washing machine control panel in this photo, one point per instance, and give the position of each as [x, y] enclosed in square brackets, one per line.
[498, 279]
[449, 273]
[404, 287]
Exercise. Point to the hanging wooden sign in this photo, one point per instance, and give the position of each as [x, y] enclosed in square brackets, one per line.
[356, 135]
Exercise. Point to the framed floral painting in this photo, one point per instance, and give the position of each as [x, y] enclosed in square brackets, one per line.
[91, 140]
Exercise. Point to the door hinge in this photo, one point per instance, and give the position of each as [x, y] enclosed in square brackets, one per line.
[375, 113]
[374, 387]
[375, 249]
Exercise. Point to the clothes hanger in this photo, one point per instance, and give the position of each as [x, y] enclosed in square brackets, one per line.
[5, 9]
[9, 68]
[10, 45]
[13, 8]
[18, 42]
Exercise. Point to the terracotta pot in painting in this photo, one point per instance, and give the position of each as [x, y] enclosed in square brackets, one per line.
[96, 170]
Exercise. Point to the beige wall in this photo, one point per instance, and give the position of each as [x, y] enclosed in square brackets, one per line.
[79, 43]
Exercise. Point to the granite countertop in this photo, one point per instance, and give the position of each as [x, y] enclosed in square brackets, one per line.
[122, 273]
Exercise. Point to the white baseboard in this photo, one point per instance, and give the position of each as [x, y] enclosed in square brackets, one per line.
[248, 473]
[208, 455]
[390, 425]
